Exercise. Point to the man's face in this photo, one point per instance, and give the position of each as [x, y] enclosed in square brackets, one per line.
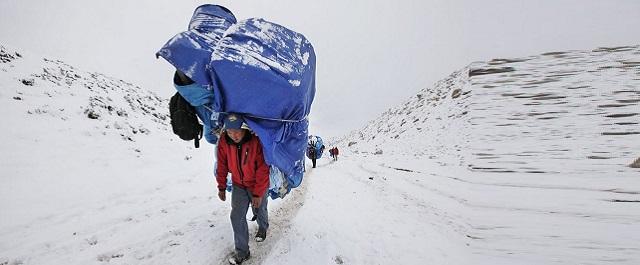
[236, 134]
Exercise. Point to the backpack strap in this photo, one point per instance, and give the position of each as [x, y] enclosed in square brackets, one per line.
[196, 141]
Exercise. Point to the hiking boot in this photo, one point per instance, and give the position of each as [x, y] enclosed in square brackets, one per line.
[261, 235]
[235, 259]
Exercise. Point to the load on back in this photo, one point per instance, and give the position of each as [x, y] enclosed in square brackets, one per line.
[254, 67]
[315, 147]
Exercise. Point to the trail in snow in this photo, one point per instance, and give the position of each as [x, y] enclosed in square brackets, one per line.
[279, 224]
[360, 213]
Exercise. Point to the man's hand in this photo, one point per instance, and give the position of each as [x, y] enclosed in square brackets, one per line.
[222, 195]
[256, 201]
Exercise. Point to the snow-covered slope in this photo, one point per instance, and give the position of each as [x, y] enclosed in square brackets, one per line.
[510, 115]
[512, 161]
[536, 149]
[89, 168]
[62, 124]
[45, 87]
[431, 123]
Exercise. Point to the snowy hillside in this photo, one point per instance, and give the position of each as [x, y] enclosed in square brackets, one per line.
[493, 114]
[61, 123]
[89, 166]
[537, 149]
[429, 124]
[512, 161]
[44, 89]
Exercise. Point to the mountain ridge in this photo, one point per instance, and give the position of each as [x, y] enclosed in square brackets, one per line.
[464, 110]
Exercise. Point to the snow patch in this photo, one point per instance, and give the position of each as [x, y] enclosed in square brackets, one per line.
[294, 82]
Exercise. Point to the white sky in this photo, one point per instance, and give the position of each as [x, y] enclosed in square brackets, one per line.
[371, 55]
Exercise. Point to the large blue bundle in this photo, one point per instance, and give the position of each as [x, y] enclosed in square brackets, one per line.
[257, 68]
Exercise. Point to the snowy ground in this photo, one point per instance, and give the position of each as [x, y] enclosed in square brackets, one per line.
[429, 182]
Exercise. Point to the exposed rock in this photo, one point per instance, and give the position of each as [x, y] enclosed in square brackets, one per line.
[27, 82]
[614, 49]
[92, 114]
[456, 93]
[635, 164]
[554, 53]
[505, 61]
[6, 56]
[486, 71]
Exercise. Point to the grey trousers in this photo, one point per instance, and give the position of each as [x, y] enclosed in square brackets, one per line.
[240, 200]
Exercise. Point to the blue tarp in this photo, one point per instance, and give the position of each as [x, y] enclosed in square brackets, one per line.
[253, 67]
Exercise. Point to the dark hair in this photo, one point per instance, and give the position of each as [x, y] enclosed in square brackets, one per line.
[179, 78]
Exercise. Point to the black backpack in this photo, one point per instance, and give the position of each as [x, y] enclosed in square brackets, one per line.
[184, 120]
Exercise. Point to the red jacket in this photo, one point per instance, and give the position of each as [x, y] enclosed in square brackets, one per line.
[245, 161]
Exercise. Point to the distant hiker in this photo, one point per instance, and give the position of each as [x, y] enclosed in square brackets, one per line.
[335, 153]
[312, 154]
[240, 153]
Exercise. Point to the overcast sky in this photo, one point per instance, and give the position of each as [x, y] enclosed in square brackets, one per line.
[371, 54]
